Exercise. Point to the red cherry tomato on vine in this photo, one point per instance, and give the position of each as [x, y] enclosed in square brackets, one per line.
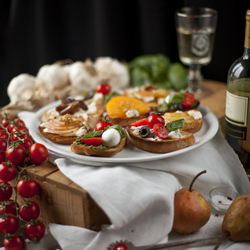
[21, 132]
[9, 224]
[10, 208]
[3, 145]
[155, 118]
[5, 122]
[5, 191]
[27, 143]
[188, 101]
[8, 171]
[94, 141]
[27, 188]
[141, 122]
[14, 243]
[16, 154]
[2, 157]
[102, 124]
[34, 231]
[29, 211]
[4, 135]
[38, 153]
[160, 131]
[103, 88]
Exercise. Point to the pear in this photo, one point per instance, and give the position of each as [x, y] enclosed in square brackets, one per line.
[236, 222]
[191, 209]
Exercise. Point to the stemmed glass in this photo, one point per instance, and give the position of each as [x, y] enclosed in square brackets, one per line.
[195, 27]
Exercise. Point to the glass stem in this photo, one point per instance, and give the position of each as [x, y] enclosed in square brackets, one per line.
[194, 78]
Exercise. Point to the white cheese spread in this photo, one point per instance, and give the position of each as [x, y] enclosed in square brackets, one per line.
[196, 114]
[132, 113]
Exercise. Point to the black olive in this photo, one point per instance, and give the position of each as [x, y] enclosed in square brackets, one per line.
[144, 131]
[178, 106]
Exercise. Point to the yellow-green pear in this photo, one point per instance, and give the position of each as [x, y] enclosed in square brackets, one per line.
[191, 209]
[236, 222]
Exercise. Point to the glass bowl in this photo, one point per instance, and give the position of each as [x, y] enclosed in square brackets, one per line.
[222, 197]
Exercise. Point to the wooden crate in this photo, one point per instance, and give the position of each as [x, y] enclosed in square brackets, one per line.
[63, 202]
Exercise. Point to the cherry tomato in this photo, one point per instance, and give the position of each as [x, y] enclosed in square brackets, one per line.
[160, 131]
[14, 243]
[27, 143]
[27, 188]
[5, 191]
[4, 135]
[2, 157]
[29, 211]
[38, 153]
[155, 118]
[19, 122]
[3, 145]
[5, 122]
[141, 122]
[9, 224]
[8, 171]
[9, 208]
[103, 88]
[94, 141]
[188, 101]
[34, 231]
[22, 132]
[16, 154]
[102, 124]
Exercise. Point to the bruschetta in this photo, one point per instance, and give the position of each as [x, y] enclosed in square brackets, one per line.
[104, 143]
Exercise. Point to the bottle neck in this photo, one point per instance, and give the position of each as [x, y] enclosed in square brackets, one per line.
[247, 31]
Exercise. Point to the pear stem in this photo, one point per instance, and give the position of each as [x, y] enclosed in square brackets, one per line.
[191, 184]
[224, 237]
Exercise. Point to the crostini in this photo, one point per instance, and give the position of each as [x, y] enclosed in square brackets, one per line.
[124, 110]
[104, 143]
[159, 135]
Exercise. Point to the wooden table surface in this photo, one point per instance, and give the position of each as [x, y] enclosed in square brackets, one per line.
[63, 202]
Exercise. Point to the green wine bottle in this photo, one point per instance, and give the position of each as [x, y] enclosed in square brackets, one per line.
[237, 126]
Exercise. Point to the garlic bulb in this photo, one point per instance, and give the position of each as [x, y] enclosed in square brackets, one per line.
[54, 76]
[113, 71]
[21, 89]
[83, 76]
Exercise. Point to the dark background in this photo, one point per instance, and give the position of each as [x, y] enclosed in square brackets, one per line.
[34, 33]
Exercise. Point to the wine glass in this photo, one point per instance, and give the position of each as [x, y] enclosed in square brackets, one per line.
[195, 27]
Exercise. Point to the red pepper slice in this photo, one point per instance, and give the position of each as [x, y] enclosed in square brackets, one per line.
[160, 130]
[188, 101]
[141, 122]
[93, 141]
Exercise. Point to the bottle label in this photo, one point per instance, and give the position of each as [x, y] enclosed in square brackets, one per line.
[200, 43]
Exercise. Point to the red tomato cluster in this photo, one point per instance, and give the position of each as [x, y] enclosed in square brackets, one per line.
[155, 122]
[17, 152]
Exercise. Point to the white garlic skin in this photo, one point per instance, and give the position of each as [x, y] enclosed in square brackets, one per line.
[21, 88]
[111, 137]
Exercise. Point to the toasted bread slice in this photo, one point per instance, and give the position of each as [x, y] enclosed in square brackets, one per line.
[80, 149]
[161, 146]
[192, 119]
[65, 140]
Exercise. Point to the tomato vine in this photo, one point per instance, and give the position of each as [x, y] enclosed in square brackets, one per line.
[18, 152]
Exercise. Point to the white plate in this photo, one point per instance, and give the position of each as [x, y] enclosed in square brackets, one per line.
[130, 154]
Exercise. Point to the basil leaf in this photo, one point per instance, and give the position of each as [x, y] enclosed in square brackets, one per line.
[93, 134]
[183, 91]
[174, 125]
[119, 129]
[163, 107]
[175, 98]
[110, 95]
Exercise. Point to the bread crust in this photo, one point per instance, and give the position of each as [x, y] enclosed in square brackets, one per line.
[79, 149]
[162, 146]
[123, 122]
[65, 140]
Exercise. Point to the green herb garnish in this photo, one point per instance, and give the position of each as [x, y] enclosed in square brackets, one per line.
[174, 125]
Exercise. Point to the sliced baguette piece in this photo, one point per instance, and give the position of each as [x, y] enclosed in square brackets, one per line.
[80, 149]
[191, 124]
[161, 146]
[123, 122]
[64, 140]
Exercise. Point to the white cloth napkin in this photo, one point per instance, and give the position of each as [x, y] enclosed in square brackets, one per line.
[138, 198]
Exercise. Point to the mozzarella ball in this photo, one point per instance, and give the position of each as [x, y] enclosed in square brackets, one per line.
[111, 137]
